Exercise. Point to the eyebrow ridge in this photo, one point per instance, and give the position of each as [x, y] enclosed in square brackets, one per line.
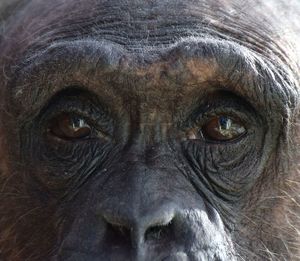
[234, 60]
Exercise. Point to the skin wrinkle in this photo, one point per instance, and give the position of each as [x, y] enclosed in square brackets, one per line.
[171, 55]
[207, 188]
[193, 11]
[186, 78]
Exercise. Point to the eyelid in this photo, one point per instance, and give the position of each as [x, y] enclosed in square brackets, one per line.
[93, 115]
[96, 130]
[240, 116]
[94, 123]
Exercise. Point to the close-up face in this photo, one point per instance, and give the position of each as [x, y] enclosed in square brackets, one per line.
[149, 130]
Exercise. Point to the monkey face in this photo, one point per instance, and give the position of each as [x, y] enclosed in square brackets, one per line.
[147, 131]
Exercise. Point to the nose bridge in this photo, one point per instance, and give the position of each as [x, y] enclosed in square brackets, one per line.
[136, 186]
[140, 196]
[154, 124]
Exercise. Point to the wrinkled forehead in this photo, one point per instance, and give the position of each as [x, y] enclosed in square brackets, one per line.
[138, 24]
[225, 30]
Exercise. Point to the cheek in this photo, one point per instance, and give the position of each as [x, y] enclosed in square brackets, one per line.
[3, 156]
[59, 164]
[229, 170]
[68, 167]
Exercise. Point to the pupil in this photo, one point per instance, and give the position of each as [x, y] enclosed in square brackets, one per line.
[224, 123]
[78, 123]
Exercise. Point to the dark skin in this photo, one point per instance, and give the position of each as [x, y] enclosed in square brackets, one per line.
[149, 130]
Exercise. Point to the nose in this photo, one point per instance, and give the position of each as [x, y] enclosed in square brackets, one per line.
[154, 225]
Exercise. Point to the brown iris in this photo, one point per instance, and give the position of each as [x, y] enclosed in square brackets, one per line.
[222, 128]
[69, 126]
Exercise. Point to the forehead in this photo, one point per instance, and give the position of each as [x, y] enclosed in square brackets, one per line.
[148, 28]
[138, 24]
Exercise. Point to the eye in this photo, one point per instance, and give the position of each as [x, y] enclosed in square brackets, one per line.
[222, 128]
[69, 126]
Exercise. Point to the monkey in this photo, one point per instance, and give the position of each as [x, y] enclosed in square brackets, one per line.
[149, 130]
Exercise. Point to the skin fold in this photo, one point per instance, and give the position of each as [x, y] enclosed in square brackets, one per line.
[149, 130]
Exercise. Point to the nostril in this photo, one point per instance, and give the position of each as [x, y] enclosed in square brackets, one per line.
[160, 232]
[135, 228]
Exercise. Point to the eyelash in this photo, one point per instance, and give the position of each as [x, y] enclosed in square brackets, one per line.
[102, 122]
[197, 121]
[203, 118]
